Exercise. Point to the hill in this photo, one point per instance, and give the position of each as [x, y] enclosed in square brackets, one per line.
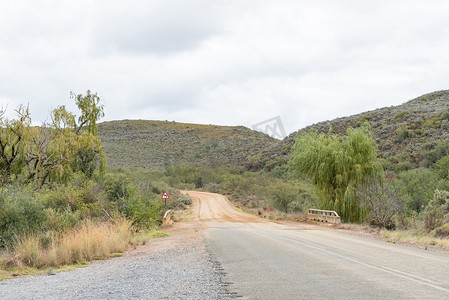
[407, 134]
[156, 144]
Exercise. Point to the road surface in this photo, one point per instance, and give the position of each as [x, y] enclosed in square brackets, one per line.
[265, 260]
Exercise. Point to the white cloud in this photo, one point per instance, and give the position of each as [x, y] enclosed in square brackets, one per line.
[223, 62]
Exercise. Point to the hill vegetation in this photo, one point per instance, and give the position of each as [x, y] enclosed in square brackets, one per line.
[161, 144]
[409, 136]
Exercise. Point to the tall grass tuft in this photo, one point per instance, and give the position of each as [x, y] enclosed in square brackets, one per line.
[87, 242]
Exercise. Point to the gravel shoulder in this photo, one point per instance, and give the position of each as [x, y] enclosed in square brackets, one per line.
[174, 267]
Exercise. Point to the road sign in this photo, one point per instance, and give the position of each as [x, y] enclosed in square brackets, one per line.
[165, 196]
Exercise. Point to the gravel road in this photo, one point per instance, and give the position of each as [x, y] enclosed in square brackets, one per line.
[175, 267]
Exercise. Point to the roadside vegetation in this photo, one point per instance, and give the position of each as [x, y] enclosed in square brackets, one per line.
[59, 205]
[62, 203]
[348, 175]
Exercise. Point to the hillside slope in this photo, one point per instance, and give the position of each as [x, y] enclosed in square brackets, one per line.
[404, 133]
[156, 144]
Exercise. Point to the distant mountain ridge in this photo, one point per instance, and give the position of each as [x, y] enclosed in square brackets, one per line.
[157, 144]
[404, 133]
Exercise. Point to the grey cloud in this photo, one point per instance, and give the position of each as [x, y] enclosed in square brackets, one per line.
[157, 27]
[168, 101]
[226, 61]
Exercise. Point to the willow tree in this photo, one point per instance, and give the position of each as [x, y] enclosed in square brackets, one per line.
[91, 111]
[78, 144]
[14, 135]
[58, 149]
[337, 165]
[91, 151]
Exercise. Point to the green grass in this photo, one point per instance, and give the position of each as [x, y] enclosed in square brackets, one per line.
[25, 271]
[116, 255]
[143, 237]
[413, 236]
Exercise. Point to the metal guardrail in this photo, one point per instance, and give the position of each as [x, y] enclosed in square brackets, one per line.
[328, 216]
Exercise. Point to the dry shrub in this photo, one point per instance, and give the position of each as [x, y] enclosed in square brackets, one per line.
[9, 260]
[89, 241]
[442, 231]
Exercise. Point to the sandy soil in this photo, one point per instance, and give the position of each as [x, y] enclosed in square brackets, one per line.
[217, 208]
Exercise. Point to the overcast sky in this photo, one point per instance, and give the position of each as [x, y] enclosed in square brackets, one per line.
[223, 62]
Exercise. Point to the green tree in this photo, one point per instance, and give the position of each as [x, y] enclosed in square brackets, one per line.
[57, 150]
[282, 194]
[418, 187]
[337, 165]
[14, 135]
[91, 111]
[89, 150]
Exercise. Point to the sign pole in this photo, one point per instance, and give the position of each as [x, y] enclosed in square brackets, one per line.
[165, 197]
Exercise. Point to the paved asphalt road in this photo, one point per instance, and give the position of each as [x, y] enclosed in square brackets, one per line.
[265, 260]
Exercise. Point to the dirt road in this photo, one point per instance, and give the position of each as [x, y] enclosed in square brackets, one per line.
[209, 207]
[265, 260]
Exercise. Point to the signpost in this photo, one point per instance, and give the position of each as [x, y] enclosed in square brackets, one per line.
[165, 197]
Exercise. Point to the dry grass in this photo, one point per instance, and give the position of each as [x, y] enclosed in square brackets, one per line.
[73, 249]
[412, 236]
[90, 241]
[182, 216]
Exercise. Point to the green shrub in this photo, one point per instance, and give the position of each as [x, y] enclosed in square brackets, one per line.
[145, 213]
[281, 195]
[400, 116]
[81, 194]
[61, 221]
[417, 187]
[440, 151]
[198, 181]
[402, 134]
[442, 167]
[291, 197]
[213, 187]
[20, 213]
[117, 186]
[185, 200]
[403, 166]
[60, 197]
[437, 210]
